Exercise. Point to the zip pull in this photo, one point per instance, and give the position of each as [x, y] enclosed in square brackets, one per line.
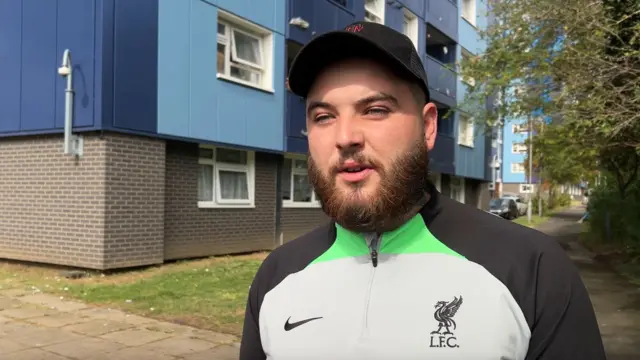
[374, 243]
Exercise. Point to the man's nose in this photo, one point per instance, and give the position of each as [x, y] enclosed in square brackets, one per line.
[349, 134]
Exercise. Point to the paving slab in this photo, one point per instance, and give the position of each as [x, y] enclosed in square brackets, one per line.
[135, 336]
[27, 311]
[140, 354]
[179, 346]
[37, 337]
[97, 327]
[222, 352]
[9, 303]
[8, 346]
[86, 349]
[59, 319]
[53, 302]
[32, 354]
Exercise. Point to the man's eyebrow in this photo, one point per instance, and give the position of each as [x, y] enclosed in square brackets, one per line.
[379, 96]
[314, 104]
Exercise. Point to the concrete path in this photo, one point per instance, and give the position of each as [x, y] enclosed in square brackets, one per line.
[44, 327]
[616, 301]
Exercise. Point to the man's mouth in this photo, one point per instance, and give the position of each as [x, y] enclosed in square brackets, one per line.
[354, 172]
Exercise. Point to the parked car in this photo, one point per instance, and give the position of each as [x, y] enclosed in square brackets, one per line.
[504, 207]
[520, 203]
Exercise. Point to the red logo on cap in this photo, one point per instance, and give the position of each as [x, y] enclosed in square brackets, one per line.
[354, 28]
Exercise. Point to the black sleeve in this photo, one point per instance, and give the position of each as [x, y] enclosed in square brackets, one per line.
[564, 325]
[251, 344]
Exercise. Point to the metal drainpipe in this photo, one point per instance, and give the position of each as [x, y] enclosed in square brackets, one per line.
[66, 70]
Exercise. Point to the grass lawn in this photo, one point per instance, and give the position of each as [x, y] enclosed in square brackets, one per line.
[209, 294]
[535, 220]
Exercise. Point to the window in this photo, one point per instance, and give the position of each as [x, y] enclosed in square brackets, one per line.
[374, 11]
[435, 179]
[526, 188]
[244, 52]
[467, 57]
[296, 188]
[465, 131]
[226, 177]
[518, 148]
[517, 168]
[410, 26]
[456, 186]
[469, 11]
[519, 128]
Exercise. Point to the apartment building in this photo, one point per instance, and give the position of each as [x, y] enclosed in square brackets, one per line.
[183, 140]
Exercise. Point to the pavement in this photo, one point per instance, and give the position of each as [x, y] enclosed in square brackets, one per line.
[615, 300]
[45, 327]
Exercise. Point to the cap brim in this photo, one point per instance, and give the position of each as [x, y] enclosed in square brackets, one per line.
[329, 48]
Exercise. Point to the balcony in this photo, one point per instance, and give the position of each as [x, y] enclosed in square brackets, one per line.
[442, 156]
[444, 16]
[295, 124]
[442, 81]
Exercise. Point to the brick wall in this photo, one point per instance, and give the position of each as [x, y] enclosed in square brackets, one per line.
[56, 209]
[193, 232]
[298, 221]
[135, 185]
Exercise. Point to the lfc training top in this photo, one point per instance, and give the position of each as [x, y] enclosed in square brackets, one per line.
[453, 282]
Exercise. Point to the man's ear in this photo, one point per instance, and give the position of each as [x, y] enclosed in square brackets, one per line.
[430, 118]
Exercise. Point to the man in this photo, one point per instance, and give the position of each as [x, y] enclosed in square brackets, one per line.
[402, 272]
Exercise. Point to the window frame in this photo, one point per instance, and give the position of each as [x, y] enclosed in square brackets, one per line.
[217, 201]
[513, 148]
[377, 10]
[465, 54]
[519, 128]
[466, 123]
[517, 172]
[314, 203]
[411, 21]
[236, 25]
[469, 6]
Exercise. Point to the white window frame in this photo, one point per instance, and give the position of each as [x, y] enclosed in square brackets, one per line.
[376, 9]
[469, 11]
[456, 182]
[467, 55]
[519, 128]
[516, 165]
[249, 169]
[314, 203]
[236, 25]
[410, 26]
[518, 148]
[522, 189]
[466, 130]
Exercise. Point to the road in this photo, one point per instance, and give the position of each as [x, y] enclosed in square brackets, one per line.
[615, 300]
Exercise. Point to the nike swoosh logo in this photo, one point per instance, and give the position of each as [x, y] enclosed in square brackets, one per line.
[290, 326]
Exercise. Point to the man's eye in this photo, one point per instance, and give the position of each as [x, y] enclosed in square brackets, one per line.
[377, 111]
[323, 117]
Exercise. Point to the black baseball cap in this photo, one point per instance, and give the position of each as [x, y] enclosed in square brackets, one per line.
[359, 39]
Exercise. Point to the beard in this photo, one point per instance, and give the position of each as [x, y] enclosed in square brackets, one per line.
[401, 189]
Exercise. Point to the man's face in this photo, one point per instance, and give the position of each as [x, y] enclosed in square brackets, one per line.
[368, 142]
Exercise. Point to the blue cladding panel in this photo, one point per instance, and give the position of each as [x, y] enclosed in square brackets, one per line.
[267, 13]
[441, 79]
[35, 34]
[39, 64]
[441, 157]
[418, 7]
[10, 43]
[468, 34]
[76, 31]
[192, 101]
[443, 15]
[135, 58]
[508, 157]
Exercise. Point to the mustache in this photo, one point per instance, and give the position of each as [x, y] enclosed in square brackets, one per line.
[357, 157]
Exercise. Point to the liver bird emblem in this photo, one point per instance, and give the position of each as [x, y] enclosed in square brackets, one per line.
[445, 311]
